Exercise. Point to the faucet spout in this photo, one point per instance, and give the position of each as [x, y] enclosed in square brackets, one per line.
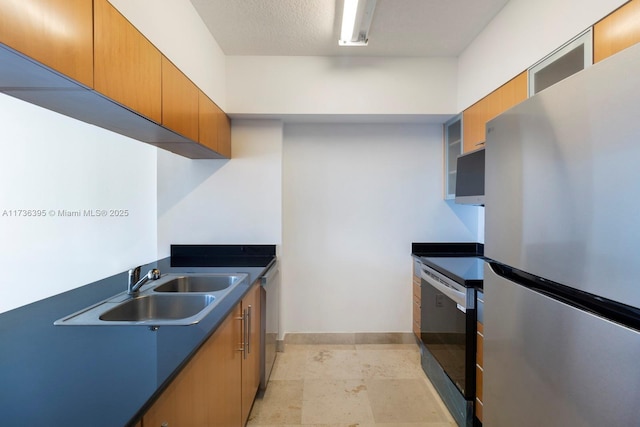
[135, 282]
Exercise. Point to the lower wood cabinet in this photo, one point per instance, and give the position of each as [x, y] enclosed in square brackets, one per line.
[219, 384]
[417, 299]
[479, 370]
[479, 356]
[251, 353]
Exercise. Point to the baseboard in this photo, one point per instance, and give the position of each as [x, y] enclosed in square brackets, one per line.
[349, 338]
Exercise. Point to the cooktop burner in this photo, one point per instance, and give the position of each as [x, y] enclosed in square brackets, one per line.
[468, 271]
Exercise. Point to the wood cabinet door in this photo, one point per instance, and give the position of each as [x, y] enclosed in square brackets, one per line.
[179, 101]
[56, 33]
[207, 391]
[617, 31]
[251, 360]
[209, 116]
[224, 134]
[475, 118]
[128, 68]
[224, 357]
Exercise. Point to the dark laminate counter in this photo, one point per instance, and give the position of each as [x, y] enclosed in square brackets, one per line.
[447, 249]
[462, 262]
[97, 375]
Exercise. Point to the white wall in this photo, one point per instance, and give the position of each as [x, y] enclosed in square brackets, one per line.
[50, 162]
[337, 85]
[224, 201]
[354, 198]
[177, 30]
[521, 34]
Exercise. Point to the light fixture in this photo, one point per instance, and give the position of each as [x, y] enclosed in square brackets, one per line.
[356, 20]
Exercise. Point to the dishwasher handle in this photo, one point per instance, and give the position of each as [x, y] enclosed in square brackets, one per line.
[459, 297]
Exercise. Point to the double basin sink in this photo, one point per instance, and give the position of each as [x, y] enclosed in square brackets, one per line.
[173, 299]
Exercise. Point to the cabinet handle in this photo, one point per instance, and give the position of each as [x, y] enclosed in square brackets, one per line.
[242, 344]
[246, 333]
[249, 330]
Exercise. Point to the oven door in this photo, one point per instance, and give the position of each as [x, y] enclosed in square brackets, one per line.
[448, 328]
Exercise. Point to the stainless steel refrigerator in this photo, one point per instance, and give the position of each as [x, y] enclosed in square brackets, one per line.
[562, 297]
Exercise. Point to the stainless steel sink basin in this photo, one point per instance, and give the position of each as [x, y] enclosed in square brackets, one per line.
[158, 307]
[199, 283]
[174, 299]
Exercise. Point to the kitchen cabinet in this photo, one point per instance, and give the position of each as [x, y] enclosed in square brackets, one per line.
[214, 127]
[479, 355]
[251, 354]
[417, 299]
[208, 119]
[128, 68]
[617, 31]
[475, 117]
[180, 100]
[83, 59]
[224, 134]
[218, 385]
[452, 149]
[207, 391]
[56, 33]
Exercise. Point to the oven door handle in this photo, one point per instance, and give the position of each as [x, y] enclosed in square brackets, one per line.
[458, 297]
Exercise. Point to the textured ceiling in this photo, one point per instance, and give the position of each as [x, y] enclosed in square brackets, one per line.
[312, 27]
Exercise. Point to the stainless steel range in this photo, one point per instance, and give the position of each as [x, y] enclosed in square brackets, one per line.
[448, 330]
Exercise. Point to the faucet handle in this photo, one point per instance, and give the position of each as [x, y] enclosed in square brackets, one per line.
[154, 274]
[134, 275]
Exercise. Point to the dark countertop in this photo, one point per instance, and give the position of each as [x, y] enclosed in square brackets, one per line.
[447, 249]
[97, 375]
[461, 262]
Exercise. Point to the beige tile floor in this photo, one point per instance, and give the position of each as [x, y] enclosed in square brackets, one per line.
[348, 386]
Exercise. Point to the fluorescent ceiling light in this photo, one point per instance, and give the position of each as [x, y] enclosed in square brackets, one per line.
[356, 20]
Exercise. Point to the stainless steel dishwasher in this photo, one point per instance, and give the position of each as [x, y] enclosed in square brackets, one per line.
[270, 309]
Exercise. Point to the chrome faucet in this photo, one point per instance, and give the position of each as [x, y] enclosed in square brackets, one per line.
[135, 282]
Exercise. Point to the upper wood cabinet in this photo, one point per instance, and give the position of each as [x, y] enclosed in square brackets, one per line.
[617, 31]
[56, 33]
[179, 101]
[476, 117]
[215, 128]
[209, 117]
[128, 68]
[224, 134]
